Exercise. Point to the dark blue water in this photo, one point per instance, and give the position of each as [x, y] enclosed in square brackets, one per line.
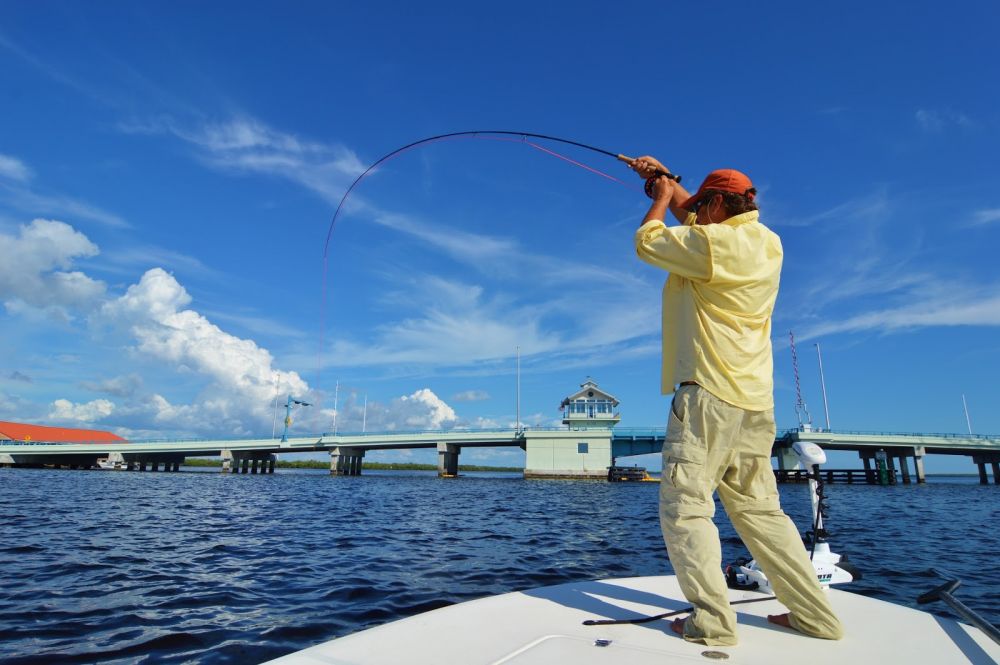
[211, 568]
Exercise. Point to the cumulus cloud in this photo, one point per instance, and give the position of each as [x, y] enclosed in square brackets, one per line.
[242, 374]
[40, 277]
[14, 169]
[63, 410]
[420, 410]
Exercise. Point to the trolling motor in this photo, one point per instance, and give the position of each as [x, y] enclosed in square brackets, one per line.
[831, 568]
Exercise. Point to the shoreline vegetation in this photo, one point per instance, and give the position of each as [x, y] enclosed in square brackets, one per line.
[372, 466]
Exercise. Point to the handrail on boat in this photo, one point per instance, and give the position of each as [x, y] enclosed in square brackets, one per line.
[943, 592]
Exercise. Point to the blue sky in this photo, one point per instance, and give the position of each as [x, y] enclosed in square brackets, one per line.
[168, 172]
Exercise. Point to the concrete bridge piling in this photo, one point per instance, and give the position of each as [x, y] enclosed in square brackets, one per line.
[242, 461]
[346, 461]
[448, 459]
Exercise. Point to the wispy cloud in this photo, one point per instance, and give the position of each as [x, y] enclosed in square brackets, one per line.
[125, 260]
[938, 120]
[14, 169]
[54, 73]
[244, 144]
[19, 196]
[119, 386]
[471, 396]
[868, 208]
[258, 324]
[987, 216]
[942, 309]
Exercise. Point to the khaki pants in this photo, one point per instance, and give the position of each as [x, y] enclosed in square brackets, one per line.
[712, 445]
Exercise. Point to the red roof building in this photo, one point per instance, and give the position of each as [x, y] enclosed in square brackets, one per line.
[24, 432]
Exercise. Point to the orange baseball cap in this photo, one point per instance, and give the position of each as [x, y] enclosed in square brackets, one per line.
[723, 180]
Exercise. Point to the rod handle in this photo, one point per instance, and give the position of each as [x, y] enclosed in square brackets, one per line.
[672, 176]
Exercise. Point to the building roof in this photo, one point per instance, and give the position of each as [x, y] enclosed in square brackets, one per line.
[586, 388]
[25, 432]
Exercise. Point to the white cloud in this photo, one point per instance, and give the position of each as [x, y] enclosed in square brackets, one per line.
[940, 309]
[248, 145]
[14, 169]
[20, 197]
[119, 386]
[866, 209]
[935, 121]
[471, 396]
[65, 411]
[39, 278]
[988, 216]
[421, 410]
[241, 374]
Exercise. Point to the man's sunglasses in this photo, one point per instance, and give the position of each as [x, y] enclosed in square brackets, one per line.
[697, 205]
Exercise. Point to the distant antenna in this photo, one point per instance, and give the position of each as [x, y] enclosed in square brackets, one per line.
[967, 421]
[364, 416]
[517, 394]
[336, 400]
[274, 417]
[822, 383]
[801, 410]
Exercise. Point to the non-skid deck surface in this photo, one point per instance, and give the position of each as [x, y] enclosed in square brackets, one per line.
[545, 626]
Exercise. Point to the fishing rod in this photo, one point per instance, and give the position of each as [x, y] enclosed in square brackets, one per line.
[487, 133]
[497, 135]
[665, 615]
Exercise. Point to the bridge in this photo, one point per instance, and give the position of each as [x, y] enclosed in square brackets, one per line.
[550, 452]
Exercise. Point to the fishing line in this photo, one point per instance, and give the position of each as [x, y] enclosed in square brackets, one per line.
[484, 134]
[499, 135]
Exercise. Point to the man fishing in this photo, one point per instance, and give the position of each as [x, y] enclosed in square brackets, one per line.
[724, 269]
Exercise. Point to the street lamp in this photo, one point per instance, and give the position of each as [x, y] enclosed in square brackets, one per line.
[288, 414]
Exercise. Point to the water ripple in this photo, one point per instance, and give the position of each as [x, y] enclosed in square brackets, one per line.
[199, 567]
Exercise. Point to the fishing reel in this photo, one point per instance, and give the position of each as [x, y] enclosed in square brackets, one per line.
[651, 182]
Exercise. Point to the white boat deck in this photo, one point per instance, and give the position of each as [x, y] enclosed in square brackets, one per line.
[546, 626]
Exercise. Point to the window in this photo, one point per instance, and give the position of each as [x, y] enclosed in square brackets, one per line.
[583, 448]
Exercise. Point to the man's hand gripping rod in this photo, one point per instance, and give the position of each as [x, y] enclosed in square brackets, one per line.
[658, 173]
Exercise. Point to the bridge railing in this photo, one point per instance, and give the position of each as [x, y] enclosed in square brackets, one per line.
[942, 435]
[622, 432]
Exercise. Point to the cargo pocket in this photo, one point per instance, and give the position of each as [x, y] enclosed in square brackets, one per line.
[684, 458]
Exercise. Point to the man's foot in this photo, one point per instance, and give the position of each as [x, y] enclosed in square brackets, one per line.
[780, 619]
[677, 625]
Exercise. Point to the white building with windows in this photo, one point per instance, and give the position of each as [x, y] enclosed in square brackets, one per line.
[590, 407]
[583, 449]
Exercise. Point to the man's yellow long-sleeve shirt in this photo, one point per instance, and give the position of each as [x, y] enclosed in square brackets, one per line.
[717, 305]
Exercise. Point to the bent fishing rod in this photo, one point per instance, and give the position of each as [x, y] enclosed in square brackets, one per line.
[498, 135]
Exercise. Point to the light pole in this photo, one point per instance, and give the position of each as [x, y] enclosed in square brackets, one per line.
[288, 414]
